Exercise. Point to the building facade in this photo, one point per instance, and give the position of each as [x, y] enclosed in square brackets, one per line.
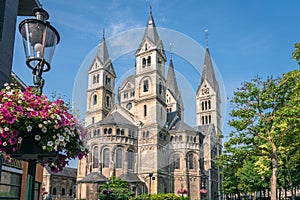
[143, 138]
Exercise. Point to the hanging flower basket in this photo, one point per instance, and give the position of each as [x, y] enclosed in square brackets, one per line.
[33, 127]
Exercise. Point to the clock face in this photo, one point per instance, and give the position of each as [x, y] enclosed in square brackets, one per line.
[129, 106]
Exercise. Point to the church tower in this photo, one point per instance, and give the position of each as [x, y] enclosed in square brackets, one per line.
[150, 108]
[101, 80]
[173, 98]
[208, 96]
[208, 116]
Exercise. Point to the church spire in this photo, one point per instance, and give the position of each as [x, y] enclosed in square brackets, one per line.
[208, 72]
[151, 31]
[102, 53]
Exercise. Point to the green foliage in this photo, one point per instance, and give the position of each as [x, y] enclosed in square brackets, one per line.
[296, 53]
[159, 197]
[115, 189]
[266, 136]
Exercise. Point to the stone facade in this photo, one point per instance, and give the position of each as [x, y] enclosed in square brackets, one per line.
[143, 139]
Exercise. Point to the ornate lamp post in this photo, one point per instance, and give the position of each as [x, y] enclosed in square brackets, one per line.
[150, 175]
[39, 40]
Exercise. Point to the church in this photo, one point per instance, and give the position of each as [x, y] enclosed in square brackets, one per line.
[143, 138]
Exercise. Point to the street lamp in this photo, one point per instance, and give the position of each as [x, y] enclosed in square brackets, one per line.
[39, 40]
[150, 175]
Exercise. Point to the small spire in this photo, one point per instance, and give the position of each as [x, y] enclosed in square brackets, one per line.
[206, 36]
[150, 9]
[103, 34]
[171, 50]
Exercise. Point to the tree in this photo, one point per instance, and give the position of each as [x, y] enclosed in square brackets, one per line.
[265, 117]
[115, 189]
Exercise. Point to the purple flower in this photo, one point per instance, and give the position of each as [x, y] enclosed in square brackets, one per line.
[12, 140]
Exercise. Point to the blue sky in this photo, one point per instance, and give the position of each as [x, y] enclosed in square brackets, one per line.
[246, 38]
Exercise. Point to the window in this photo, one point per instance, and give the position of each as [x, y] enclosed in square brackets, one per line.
[2, 14]
[105, 131]
[95, 99]
[209, 104]
[159, 62]
[93, 120]
[54, 191]
[145, 110]
[125, 95]
[191, 161]
[206, 120]
[209, 118]
[202, 119]
[146, 86]
[106, 158]
[119, 158]
[63, 191]
[176, 161]
[146, 47]
[95, 157]
[130, 159]
[180, 138]
[107, 102]
[202, 105]
[70, 192]
[160, 88]
[107, 80]
[10, 185]
[118, 132]
[205, 105]
[98, 78]
[109, 131]
[144, 62]
[94, 79]
[149, 61]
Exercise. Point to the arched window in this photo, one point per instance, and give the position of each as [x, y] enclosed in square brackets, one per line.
[106, 158]
[54, 191]
[195, 139]
[122, 131]
[160, 88]
[149, 60]
[118, 132]
[105, 131]
[95, 157]
[205, 105]
[130, 159]
[94, 79]
[209, 104]
[180, 138]
[147, 134]
[98, 78]
[202, 105]
[172, 137]
[202, 119]
[176, 161]
[146, 85]
[146, 47]
[107, 102]
[206, 120]
[95, 99]
[63, 191]
[119, 158]
[109, 131]
[209, 118]
[145, 110]
[70, 192]
[107, 80]
[98, 132]
[144, 62]
[191, 161]
[93, 120]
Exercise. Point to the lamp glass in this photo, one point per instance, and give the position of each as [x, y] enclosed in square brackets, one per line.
[39, 40]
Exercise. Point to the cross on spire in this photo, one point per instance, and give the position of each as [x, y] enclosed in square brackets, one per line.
[171, 45]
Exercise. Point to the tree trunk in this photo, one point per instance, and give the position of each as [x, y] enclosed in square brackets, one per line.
[274, 173]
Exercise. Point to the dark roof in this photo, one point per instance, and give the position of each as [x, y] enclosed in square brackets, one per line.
[25, 7]
[176, 124]
[130, 177]
[66, 172]
[129, 79]
[102, 53]
[115, 118]
[171, 80]
[205, 129]
[93, 177]
[208, 72]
